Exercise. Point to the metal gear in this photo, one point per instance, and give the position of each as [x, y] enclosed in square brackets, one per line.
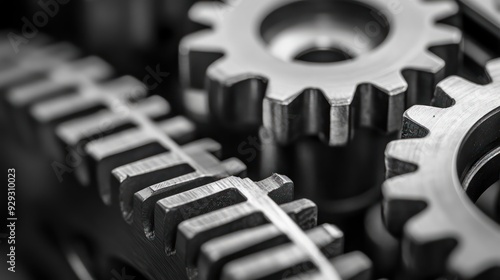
[377, 63]
[179, 199]
[447, 158]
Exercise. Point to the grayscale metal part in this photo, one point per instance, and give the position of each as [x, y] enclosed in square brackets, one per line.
[124, 146]
[447, 158]
[310, 68]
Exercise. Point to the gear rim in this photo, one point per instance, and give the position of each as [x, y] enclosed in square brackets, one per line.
[426, 203]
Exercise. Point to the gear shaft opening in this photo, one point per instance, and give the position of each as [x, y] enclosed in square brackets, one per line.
[323, 32]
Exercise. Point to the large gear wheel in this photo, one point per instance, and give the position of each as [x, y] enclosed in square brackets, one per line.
[192, 219]
[449, 158]
[300, 56]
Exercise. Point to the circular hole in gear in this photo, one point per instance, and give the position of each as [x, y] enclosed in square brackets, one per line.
[323, 55]
[478, 164]
[323, 31]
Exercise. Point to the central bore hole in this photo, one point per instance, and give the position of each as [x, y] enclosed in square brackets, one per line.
[478, 164]
[321, 55]
[323, 31]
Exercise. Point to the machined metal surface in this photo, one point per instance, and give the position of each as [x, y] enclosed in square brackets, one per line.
[177, 197]
[115, 180]
[447, 158]
[309, 68]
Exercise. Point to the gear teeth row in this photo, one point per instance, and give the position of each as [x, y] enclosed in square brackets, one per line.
[260, 265]
[181, 197]
[350, 266]
[222, 200]
[215, 253]
[441, 9]
[423, 202]
[207, 13]
[131, 178]
[233, 221]
[35, 75]
[329, 105]
[211, 169]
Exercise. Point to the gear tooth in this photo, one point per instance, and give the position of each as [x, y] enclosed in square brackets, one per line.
[263, 264]
[214, 254]
[197, 52]
[353, 266]
[428, 243]
[205, 144]
[452, 90]
[179, 128]
[132, 177]
[204, 41]
[402, 201]
[442, 9]
[309, 113]
[445, 35]
[109, 152]
[74, 136]
[278, 187]
[207, 13]
[392, 84]
[400, 157]
[418, 120]
[48, 114]
[88, 69]
[63, 80]
[485, 261]
[303, 211]
[208, 170]
[143, 202]
[382, 104]
[228, 72]
[196, 231]
[235, 94]
[340, 130]
[427, 62]
[397, 188]
[428, 226]
[493, 68]
[171, 211]
[383, 111]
